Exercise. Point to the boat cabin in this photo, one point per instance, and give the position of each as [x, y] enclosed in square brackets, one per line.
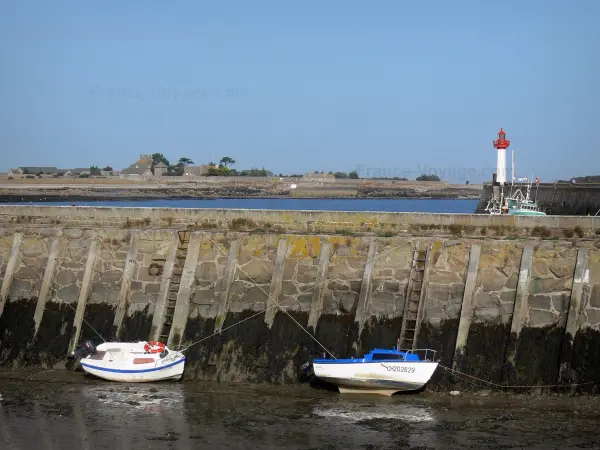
[381, 354]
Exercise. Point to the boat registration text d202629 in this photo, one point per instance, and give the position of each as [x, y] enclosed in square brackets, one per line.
[402, 369]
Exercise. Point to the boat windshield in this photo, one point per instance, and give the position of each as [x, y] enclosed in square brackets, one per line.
[387, 356]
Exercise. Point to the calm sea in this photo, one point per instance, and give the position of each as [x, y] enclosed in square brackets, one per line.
[385, 205]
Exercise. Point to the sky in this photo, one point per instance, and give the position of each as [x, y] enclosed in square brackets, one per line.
[387, 88]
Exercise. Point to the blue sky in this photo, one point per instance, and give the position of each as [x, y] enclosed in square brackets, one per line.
[399, 87]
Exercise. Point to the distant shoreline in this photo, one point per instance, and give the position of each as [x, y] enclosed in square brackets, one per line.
[122, 196]
[29, 199]
[21, 192]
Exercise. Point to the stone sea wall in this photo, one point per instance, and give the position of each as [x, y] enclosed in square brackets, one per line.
[560, 198]
[510, 302]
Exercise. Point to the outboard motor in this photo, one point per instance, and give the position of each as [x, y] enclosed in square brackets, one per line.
[306, 372]
[88, 348]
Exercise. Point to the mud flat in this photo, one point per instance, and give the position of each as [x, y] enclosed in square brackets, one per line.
[509, 300]
[71, 411]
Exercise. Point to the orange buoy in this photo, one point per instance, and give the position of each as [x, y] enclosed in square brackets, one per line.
[154, 347]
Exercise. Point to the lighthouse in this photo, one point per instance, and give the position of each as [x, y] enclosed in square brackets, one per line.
[501, 145]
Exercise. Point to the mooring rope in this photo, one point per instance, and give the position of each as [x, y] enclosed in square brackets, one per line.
[501, 386]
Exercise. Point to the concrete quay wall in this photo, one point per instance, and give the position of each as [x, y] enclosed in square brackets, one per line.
[508, 309]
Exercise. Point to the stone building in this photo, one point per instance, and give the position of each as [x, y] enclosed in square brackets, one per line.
[322, 177]
[142, 166]
[160, 169]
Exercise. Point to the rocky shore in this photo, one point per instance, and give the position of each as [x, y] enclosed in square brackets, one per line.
[37, 193]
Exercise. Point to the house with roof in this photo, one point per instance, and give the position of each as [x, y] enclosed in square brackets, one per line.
[142, 166]
[160, 169]
[199, 171]
[32, 170]
[81, 171]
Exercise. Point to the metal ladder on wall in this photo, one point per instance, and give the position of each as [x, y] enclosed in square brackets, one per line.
[180, 256]
[414, 300]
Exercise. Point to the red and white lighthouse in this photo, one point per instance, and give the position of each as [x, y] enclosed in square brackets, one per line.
[501, 145]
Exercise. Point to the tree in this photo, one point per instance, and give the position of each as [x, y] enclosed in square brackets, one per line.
[428, 178]
[220, 171]
[159, 158]
[353, 175]
[226, 161]
[108, 169]
[340, 175]
[254, 172]
[185, 162]
[94, 170]
[176, 170]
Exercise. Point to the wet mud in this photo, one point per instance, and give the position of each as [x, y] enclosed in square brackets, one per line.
[71, 410]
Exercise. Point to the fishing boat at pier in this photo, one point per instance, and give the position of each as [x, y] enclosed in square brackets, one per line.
[381, 371]
[133, 362]
[522, 205]
[515, 203]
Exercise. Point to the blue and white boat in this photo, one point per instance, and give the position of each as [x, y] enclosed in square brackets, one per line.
[381, 371]
[132, 362]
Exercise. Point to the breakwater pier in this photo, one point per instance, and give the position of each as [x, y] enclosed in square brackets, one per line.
[511, 300]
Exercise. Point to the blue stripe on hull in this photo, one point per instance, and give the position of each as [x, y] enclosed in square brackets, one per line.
[154, 369]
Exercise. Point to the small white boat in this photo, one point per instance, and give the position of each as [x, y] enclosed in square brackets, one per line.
[133, 362]
[381, 371]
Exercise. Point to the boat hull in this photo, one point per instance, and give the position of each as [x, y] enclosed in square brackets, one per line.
[526, 213]
[149, 373]
[130, 362]
[382, 378]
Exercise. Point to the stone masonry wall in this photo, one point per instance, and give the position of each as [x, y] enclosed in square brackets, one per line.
[300, 272]
[323, 281]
